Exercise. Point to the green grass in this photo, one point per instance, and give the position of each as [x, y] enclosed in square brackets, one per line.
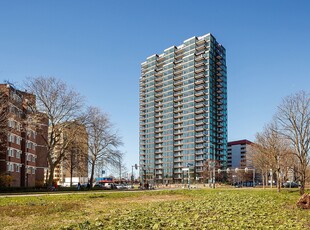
[177, 209]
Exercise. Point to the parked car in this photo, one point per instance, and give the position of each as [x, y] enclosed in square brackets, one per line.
[121, 186]
[290, 184]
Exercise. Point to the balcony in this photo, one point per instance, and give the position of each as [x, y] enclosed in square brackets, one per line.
[179, 56]
[178, 138]
[158, 135]
[200, 87]
[179, 131]
[177, 61]
[199, 53]
[178, 165]
[199, 70]
[201, 122]
[158, 99]
[200, 134]
[159, 109]
[219, 80]
[177, 99]
[157, 115]
[158, 104]
[160, 58]
[178, 171]
[159, 125]
[179, 104]
[178, 93]
[178, 51]
[159, 141]
[158, 166]
[199, 117]
[158, 146]
[177, 83]
[200, 42]
[178, 88]
[199, 99]
[178, 127]
[199, 140]
[159, 94]
[178, 72]
[199, 82]
[178, 121]
[199, 64]
[199, 146]
[158, 130]
[159, 84]
[199, 94]
[199, 152]
[178, 77]
[199, 58]
[179, 115]
[199, 129]
[159, 89]
[199, 111]
[158, 69]
[199, 105]
[178, 160]
[219, 63]
[159, 75]
[200, 48]
[158, 78]
[178, 143]
[178, 110]
[178, 66]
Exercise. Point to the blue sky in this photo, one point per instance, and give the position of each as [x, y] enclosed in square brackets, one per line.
[97, 47]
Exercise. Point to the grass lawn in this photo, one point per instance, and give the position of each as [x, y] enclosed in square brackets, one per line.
[176, 209]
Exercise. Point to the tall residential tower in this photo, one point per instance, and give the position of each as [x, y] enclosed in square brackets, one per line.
[183, 110]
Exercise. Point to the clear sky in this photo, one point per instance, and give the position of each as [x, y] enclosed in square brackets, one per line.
[97, 47]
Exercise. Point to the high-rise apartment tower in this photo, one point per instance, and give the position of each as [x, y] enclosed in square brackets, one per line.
[183, 110]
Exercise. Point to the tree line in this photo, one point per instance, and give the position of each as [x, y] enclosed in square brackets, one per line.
[283, 146]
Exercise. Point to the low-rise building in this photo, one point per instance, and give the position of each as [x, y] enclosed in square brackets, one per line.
[237, 154]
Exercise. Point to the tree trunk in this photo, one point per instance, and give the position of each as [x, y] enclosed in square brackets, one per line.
[278, 180]
[51, 175]
[92, 173]
[302, 184]
[263, 179]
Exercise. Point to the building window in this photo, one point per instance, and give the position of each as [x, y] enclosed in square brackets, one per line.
[10, 152]
[18, 153]
[17, 168]
[10, 167]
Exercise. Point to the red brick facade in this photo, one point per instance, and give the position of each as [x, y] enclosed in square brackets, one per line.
[22, 151]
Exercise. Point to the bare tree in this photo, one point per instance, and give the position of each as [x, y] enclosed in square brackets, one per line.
[61, 105]
[269, 153]
[102, 140]
[294, 118]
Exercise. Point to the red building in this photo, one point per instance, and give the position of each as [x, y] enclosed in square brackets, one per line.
[23, 155]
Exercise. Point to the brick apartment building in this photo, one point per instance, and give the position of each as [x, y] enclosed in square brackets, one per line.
[74, 166]
[23, 155]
